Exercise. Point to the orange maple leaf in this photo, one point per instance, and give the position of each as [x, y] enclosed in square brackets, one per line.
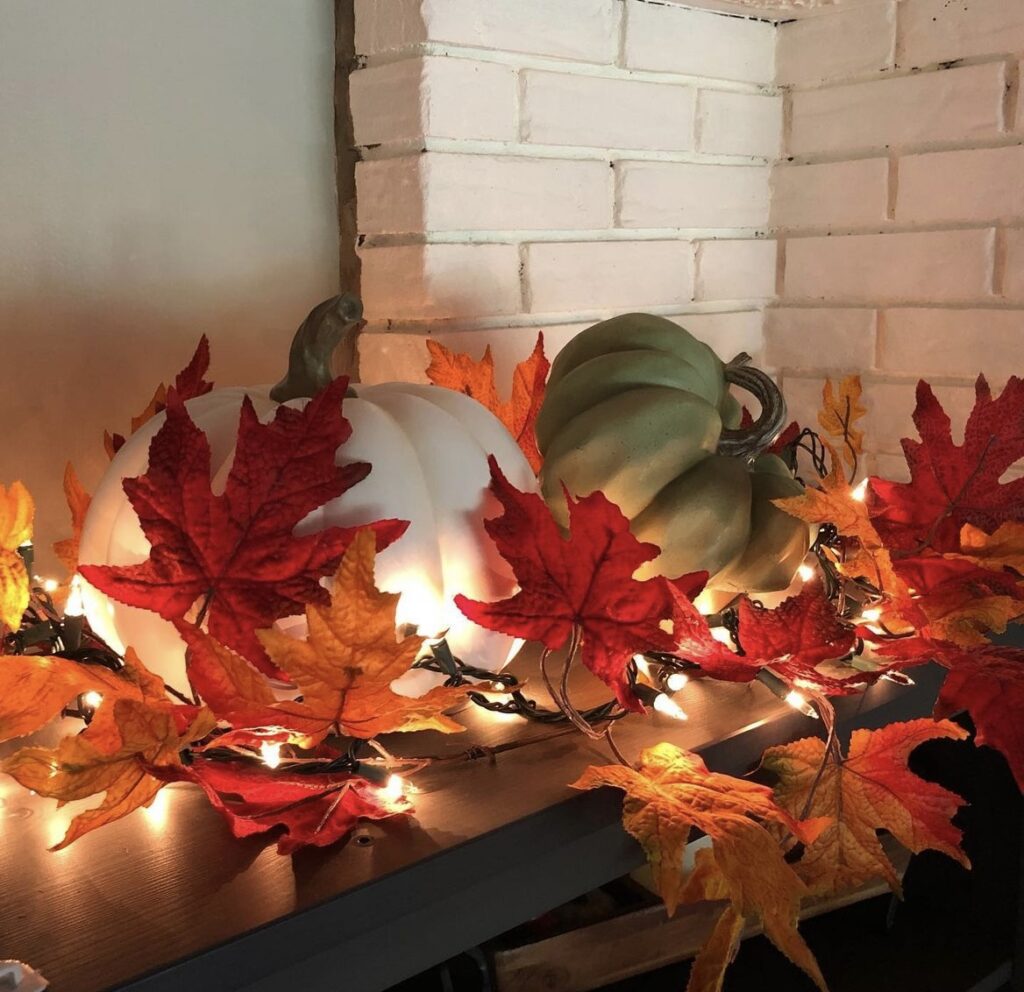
[78, 503]
[672, 792]
[871, 789]
[838, 417]
[455, 370]
[344, 668]
[77, 768]
[1003, 548]
[17, 511]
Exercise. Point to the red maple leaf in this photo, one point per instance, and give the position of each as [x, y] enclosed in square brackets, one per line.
[952, 485]
[314, 809]
[989, 684]
[786, 438]
[235, 553]
[585, 581]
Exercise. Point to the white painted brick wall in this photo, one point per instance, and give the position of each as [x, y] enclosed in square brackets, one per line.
[941, 30]
[694, 42]
[1013, 268]
[906, 112]
[740, 123]
[735, 270]
[687, 195]
[562, 109]
[820, 338]
[834, 195]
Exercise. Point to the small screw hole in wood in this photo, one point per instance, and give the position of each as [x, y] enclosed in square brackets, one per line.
[363, 840]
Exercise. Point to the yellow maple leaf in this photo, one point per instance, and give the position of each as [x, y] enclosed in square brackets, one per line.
[17, 511]
[457, 371]
[78, 503]
[77, 768]
[671, 793]
[838, 416]
[1004, 548]
[872, 789]
[352, 655]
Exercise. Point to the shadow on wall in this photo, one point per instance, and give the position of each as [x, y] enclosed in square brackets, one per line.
[77, 362]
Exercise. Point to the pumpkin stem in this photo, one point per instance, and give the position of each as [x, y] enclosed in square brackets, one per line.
[333, 324]
[748, 442]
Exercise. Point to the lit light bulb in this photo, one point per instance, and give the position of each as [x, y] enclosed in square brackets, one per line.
[270, 752]
[677, 681]
[642, 666]
[722, 635]
[667, 706]
[395, 788]
[799, 702]
[805, 572]
[75, 606]
[50, 585]
[92, 699]
[872, 614]
[860, 491]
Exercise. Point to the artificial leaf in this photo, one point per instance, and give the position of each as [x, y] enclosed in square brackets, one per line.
[189, 383]
[952, 485]
[694, 641]
[476, 379]
[584, 581]
[345, 667]
[17, 511]
[672, 792]
[1003, 548]
[236, 553]
[316, 809]
[706, 884]
[78, 503]
[76, 768]
[789, 434]
[838, 416]
[872, 789]
[989, 684]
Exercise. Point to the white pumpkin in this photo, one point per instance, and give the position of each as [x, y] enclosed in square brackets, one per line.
[428, 449]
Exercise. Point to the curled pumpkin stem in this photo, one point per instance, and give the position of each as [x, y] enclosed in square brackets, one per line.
[748, 442]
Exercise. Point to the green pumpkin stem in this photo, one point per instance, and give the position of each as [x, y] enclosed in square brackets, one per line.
[333, 325]
[748, 442]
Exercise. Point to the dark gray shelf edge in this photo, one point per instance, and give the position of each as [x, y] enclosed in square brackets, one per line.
[376, 935]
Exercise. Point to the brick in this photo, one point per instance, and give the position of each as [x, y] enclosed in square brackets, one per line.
[584, 30]
[951, 105]
[382, 27]
[735, 270]
[891, 407]
[440, 280]
[803, 398]
[891, 467]
[930, 341]
[837, 44]
[975, 184]
[667, 38]
[433, 97]
[682, 194]
[392, 357]
[605, 275]
[740, 124]
[940, 266]
[939, 30]
[825, 338]
[438, 191]
[1013, 264]
[560, 109]
[830, 195]
[727, 333]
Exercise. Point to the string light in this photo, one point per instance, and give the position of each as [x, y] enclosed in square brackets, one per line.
[790, 696]
[722, 635]
[75, 606]
[805, 572]
[677, 681]
[270, 752]
[860, 491]
[667, 706]
[872, 614]
[395, 788]
[799, 702]
[92, 699]
[50, 586]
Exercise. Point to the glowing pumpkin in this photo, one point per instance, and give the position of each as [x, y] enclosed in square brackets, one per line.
[428, 449]
[640, 409]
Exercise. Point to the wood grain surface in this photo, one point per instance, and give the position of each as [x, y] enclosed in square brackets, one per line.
[167, 899]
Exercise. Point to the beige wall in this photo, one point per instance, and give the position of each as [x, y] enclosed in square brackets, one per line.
[166, 169]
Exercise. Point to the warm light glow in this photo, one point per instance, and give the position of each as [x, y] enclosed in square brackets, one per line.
[805, 572]
[799, 702]
[75, 606]
[395, 789]
[92, 699]
[676, 681]
[667, 706]
[270, 752]
[860, 491]
[872, 614]
[156, 812]
[50, 585]
[642, 666]
[722, 635]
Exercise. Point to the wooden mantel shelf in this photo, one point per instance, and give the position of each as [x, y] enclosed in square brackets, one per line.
[167, 900]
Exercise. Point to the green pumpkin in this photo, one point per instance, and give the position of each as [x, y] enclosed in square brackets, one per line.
[638, 408]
